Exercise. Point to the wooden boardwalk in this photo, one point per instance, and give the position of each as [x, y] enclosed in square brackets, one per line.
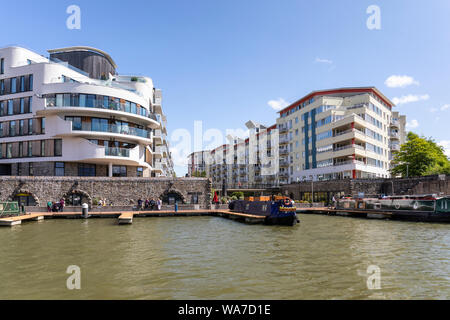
[347, 212]
[126, 217]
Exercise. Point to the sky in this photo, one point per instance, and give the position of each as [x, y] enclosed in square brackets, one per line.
[224, 62]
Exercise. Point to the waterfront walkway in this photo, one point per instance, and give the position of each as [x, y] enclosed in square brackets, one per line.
[127, 216]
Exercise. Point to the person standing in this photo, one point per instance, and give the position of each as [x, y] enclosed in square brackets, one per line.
[49, 206]
[139, 207]
[159, 203]
[62, 203]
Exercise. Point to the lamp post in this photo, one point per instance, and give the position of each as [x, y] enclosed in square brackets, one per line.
[312, 191]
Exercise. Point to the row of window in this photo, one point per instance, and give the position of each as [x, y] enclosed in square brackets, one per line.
[94, 101]
[16, 84]
[28, 149]
[24, 127]
[16, 106]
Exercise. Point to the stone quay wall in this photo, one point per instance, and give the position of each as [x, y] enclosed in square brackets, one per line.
[435, 184]
[118, 191]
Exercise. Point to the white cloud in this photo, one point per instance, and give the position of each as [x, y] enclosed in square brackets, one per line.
[410, 98]
[395, 81]
[445, 107]
[446, 145]
[433, 110]
[319, 60]
[413, 124]
[278, 104]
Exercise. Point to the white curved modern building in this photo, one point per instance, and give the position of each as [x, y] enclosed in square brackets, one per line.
[72, 115]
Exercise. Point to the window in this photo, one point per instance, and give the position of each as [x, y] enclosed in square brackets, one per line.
[20, 150]
[140, 172]
[22, 105]
[2, 67]
[59, 169]
[30, 127]
[58, 147]
[21, 125]
[1, 129]
[42, 148]
[10, 107]
[13, 85]
[31, 168]
[43, 125]
[9, 150]
[119, 171]
[76, 122]
[30, 82]
[86, 170]
[30, 149]
[12, 128]
[22, 84]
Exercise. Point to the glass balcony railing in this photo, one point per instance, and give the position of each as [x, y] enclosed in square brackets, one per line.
[111, 128]
[117, 152]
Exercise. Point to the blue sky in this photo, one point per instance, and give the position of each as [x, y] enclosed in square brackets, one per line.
[223, 61]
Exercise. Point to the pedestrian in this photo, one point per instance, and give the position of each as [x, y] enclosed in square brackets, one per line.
[61, 205]
[139, 207]
[159, 204]
[54, 207]
[49, 206]
[100, 203]
[152, 204]
[334, 201]
[147, 203]
[104, 202]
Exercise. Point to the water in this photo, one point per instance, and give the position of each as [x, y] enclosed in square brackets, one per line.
[214, 258]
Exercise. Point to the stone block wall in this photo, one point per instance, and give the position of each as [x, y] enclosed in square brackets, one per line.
[118, 191]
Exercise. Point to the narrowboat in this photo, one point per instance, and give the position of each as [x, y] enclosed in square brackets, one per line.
[427, 208]
[278, 211]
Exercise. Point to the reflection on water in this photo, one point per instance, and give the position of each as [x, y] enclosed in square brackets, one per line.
[213, 258]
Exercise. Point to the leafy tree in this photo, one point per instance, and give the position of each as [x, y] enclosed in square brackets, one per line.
[198, 174]
[420, 156]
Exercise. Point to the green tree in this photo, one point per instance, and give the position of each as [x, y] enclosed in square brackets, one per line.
[420, 156]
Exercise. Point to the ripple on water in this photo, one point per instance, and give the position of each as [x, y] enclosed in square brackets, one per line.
[212, 258]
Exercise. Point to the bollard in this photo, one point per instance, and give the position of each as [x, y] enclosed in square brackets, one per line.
[85, 210]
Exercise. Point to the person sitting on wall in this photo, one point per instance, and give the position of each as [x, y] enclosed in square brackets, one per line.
[139, 207]
[147, 203]
[49, 206]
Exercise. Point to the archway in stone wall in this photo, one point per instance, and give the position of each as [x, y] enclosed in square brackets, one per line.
[77, 197]
[25, 197]
[171, 195]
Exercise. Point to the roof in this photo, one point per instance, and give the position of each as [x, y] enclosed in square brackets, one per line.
[84, 48]
[339, 90]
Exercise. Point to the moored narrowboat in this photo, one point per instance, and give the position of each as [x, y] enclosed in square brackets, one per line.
[277, 211]
[429, 208]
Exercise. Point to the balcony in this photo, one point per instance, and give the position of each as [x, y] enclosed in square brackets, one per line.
[395, 123]
[284, 174]
[110, 128]
[395, 147]
[117, 152]
[283, 129]
[284, 139]
[284, 163]
[394, 135]
[284, 152]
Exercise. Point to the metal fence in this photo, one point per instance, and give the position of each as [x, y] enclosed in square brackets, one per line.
[9, 209]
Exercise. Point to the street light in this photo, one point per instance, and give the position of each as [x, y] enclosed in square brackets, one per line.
[312, 191]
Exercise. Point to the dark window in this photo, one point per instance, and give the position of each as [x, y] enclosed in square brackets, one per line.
[30, 127]
[140, 172]
[21, 125]
[86, 170]
[2, 87]
[42, 148]
[12, 128]
[31, 168]
[1, 129]
[20, 150]
[59, 169]
[58, 147]
[10, 107]
[43, 125]
[76, 122]
[22, 105]
[9, 150]
[30, 150]
[2, 67]
[119, 171]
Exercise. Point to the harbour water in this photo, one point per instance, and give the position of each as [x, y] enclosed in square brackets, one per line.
[213, 258]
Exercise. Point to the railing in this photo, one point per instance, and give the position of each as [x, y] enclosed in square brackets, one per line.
[112, 128]
[394, 134]
[9, 208]
[283, 152]
[112, 105]
[117, 152]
